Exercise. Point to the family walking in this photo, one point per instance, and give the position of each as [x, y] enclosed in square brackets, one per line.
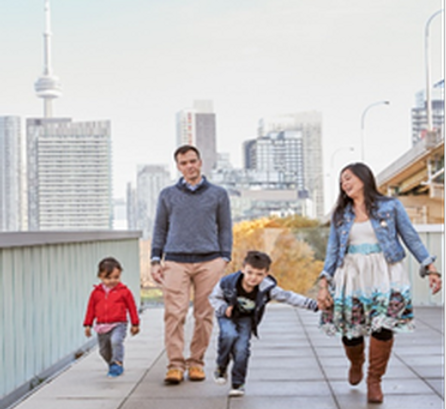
[364, 290]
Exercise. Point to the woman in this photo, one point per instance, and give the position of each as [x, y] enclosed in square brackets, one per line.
[369, 290]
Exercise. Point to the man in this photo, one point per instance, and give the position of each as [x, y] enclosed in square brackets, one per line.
[191, 245]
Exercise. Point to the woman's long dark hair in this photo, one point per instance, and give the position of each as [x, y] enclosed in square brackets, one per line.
[371, 194]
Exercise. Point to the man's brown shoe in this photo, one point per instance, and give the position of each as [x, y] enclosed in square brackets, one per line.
[174, 376]
[196, 374]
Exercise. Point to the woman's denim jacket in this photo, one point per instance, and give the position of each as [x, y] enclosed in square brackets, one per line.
[389, 220]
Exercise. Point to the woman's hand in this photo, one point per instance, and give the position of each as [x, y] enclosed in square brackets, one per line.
[434, 278]
[435, 283]
[324, 300]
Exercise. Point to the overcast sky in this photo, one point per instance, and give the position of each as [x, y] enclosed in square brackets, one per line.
[139, 62]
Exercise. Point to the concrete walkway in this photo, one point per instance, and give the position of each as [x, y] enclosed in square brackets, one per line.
[293, 365]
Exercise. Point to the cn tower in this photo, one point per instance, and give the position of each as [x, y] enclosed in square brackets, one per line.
[47, 86]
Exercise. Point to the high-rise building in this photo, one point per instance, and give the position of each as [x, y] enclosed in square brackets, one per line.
[131, 207]
[196, 126]
[10, 174]
[291, 145]
[151, 179]
[69, 174]
[249, 154]
[280, 152]
[419, 115]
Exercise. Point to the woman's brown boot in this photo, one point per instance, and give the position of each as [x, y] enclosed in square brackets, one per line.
[356, 356]
[379, 355]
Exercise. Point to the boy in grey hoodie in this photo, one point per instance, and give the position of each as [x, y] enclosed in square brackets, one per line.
[239, 300]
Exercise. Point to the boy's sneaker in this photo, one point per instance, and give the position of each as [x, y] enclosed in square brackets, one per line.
[220, 376]
[115, 370]
[237, 390]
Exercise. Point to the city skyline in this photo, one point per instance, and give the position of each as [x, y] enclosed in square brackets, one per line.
[138, 66]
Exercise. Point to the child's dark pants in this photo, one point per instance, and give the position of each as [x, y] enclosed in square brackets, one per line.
[234, 342]
[111, 344]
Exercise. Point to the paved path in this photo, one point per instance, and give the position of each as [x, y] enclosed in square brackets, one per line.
[293, 365]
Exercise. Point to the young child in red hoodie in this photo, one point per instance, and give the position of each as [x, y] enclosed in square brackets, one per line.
[108, 306]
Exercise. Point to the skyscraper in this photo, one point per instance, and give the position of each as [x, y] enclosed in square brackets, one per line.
[131, 207]
[419, 115]
[69, 174]
[291, 144]
[150, 180]
[10, 174]
[196, 126]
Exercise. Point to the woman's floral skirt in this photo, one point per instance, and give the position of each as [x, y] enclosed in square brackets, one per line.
[369, 294]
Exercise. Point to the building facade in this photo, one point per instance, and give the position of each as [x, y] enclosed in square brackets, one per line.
[10, 174]
[280, 152]
[69, 174]
[255, 194]
[131, 208]
[292, 146]
[151, 179]
[197, 126]
[417, 179]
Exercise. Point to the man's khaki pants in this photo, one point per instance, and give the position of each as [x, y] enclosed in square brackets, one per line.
[178, 280]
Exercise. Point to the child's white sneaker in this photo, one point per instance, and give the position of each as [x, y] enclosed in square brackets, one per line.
[237, 390]
[220, 376]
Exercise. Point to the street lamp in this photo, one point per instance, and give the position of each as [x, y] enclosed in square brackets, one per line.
[428, 76]
[363, 123]
[351, 149]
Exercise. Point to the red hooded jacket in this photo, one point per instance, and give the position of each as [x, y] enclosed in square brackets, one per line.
[111, 307]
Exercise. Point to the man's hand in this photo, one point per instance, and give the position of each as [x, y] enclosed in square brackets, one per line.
[157, 273]
[134, 329]
[228, 311]
[88, 332]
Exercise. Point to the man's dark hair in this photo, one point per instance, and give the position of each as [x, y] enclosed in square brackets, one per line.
[258, 260]
[107, 266]
[186, 148]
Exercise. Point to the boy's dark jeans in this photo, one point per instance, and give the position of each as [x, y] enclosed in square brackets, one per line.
[234, 341]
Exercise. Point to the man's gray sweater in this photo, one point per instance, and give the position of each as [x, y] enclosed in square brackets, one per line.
[192, 226]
